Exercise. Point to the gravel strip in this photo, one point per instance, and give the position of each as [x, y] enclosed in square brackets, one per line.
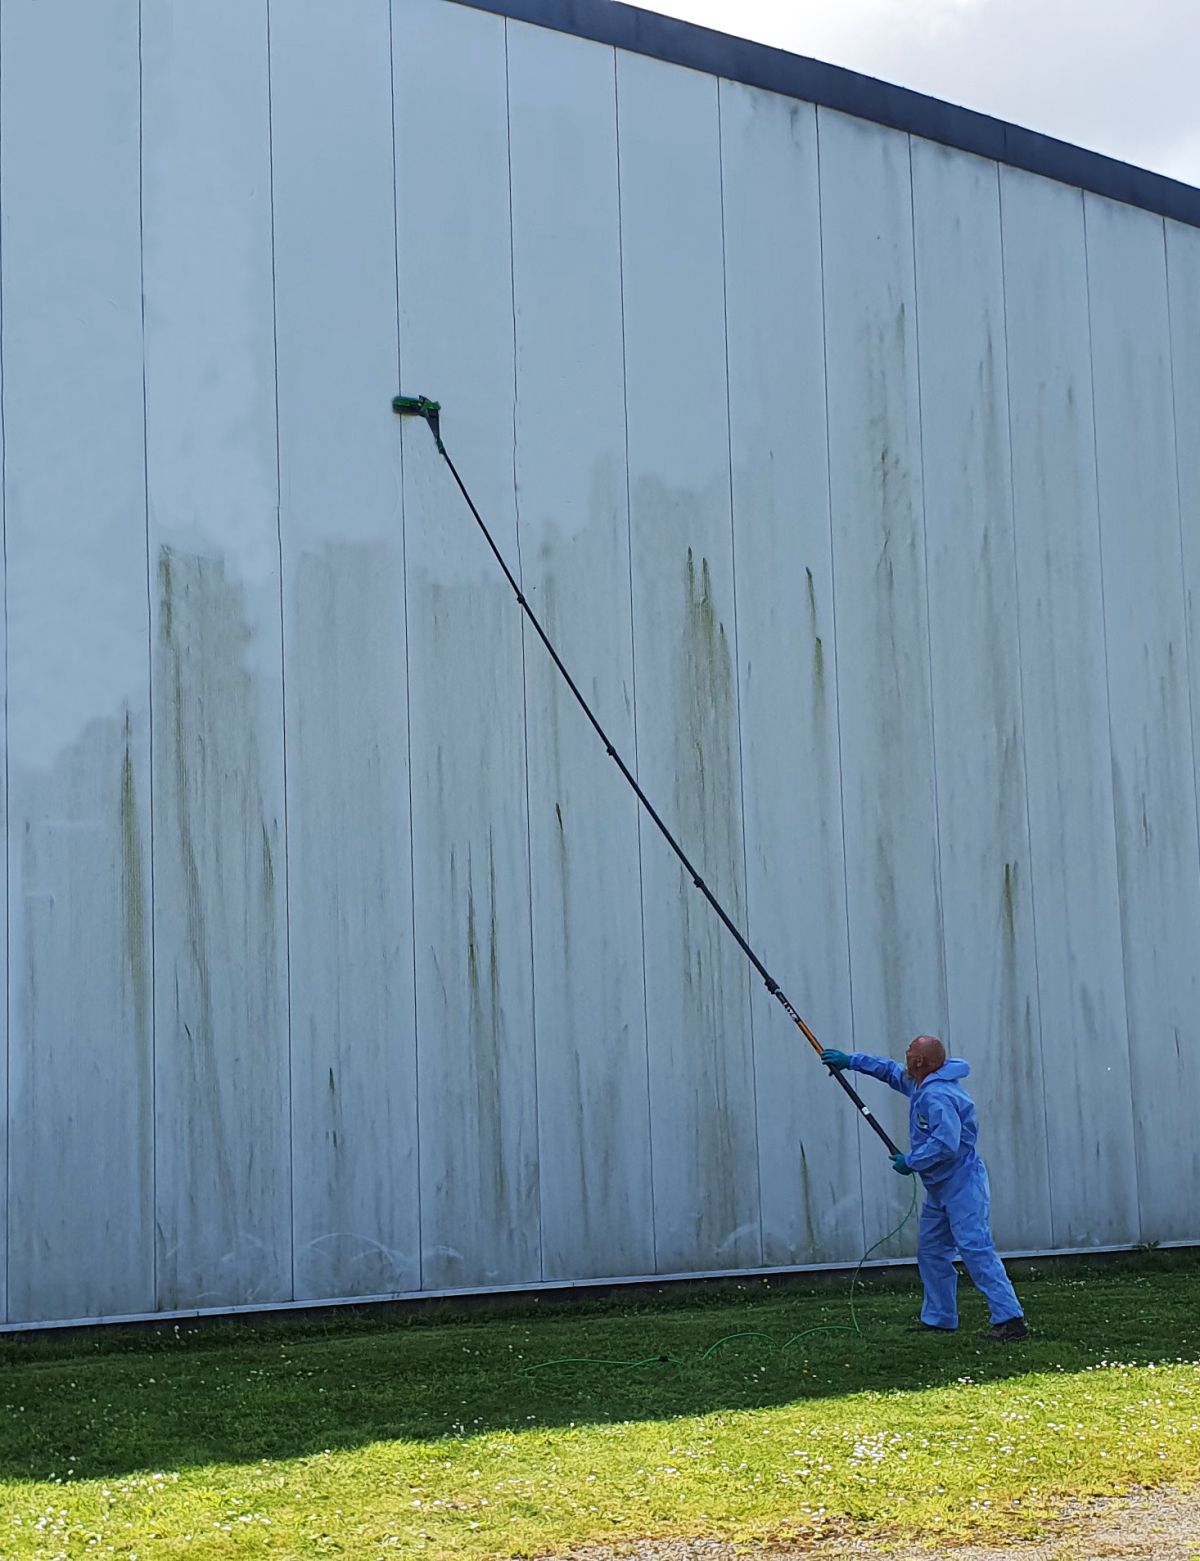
[1159, 1525]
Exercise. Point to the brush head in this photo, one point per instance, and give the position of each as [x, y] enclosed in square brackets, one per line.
[415, 406]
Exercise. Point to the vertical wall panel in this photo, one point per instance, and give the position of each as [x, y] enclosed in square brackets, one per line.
[349, 850]
[896, 958]
[1065, 704]
[795, 890]
[81, 1144]
[1152, 754]
[1183, 272]
[698, 1010]
[220, 936]
[597, 1213]
[478, 1083]
[991, 965]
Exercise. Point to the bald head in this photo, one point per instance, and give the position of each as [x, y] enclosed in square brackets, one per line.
[925, 1055]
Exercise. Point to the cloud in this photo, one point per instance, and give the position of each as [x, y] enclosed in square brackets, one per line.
[1105, 74]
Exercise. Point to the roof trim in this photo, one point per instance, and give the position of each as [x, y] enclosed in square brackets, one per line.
[830, 86]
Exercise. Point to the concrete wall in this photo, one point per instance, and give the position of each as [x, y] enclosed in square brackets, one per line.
[856, 477]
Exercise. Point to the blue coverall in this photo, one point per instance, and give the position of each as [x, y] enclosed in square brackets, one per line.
[956, 1213]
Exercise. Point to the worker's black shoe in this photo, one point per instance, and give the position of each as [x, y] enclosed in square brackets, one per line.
[929, 1328]
[1009, 1332]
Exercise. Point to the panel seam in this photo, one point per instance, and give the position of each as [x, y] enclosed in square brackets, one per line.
[412, 872]
[937, 795]
[633, 657]
[1187, 626]
[512, 284]
[1087, 271]
[837, 692]
[149, 670]
[737, 663]
[287, 886]
[1012, 497]
[1183, 579]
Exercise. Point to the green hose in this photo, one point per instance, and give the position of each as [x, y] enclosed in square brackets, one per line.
[659, 1360]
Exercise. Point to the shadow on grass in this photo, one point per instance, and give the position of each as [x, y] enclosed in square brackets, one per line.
[105, 1405]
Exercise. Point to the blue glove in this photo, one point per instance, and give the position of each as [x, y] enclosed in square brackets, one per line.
[836, 1060]
[901, 1165]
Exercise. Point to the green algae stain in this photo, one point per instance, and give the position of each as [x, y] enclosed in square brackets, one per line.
[564, 873]
[708, 810]
[268, 867]
[1009, 900]
[472, 947]
[818, 645]
[810, 1214]
[133, 890]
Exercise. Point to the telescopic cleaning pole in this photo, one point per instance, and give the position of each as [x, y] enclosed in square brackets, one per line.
[423, 407]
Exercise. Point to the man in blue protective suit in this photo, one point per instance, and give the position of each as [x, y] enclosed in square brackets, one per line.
[955, 1216]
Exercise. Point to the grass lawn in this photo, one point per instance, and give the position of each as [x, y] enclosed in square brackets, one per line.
[420, 1434]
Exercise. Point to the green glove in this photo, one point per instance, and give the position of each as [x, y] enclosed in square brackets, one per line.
[835, 1059]
[900, 1164]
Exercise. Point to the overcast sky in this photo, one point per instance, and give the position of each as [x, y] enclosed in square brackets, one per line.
[1119, 78]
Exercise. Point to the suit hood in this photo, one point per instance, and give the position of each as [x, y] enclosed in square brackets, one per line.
[950, 1072]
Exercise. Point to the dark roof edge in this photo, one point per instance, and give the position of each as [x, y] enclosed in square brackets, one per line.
[831, 86]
